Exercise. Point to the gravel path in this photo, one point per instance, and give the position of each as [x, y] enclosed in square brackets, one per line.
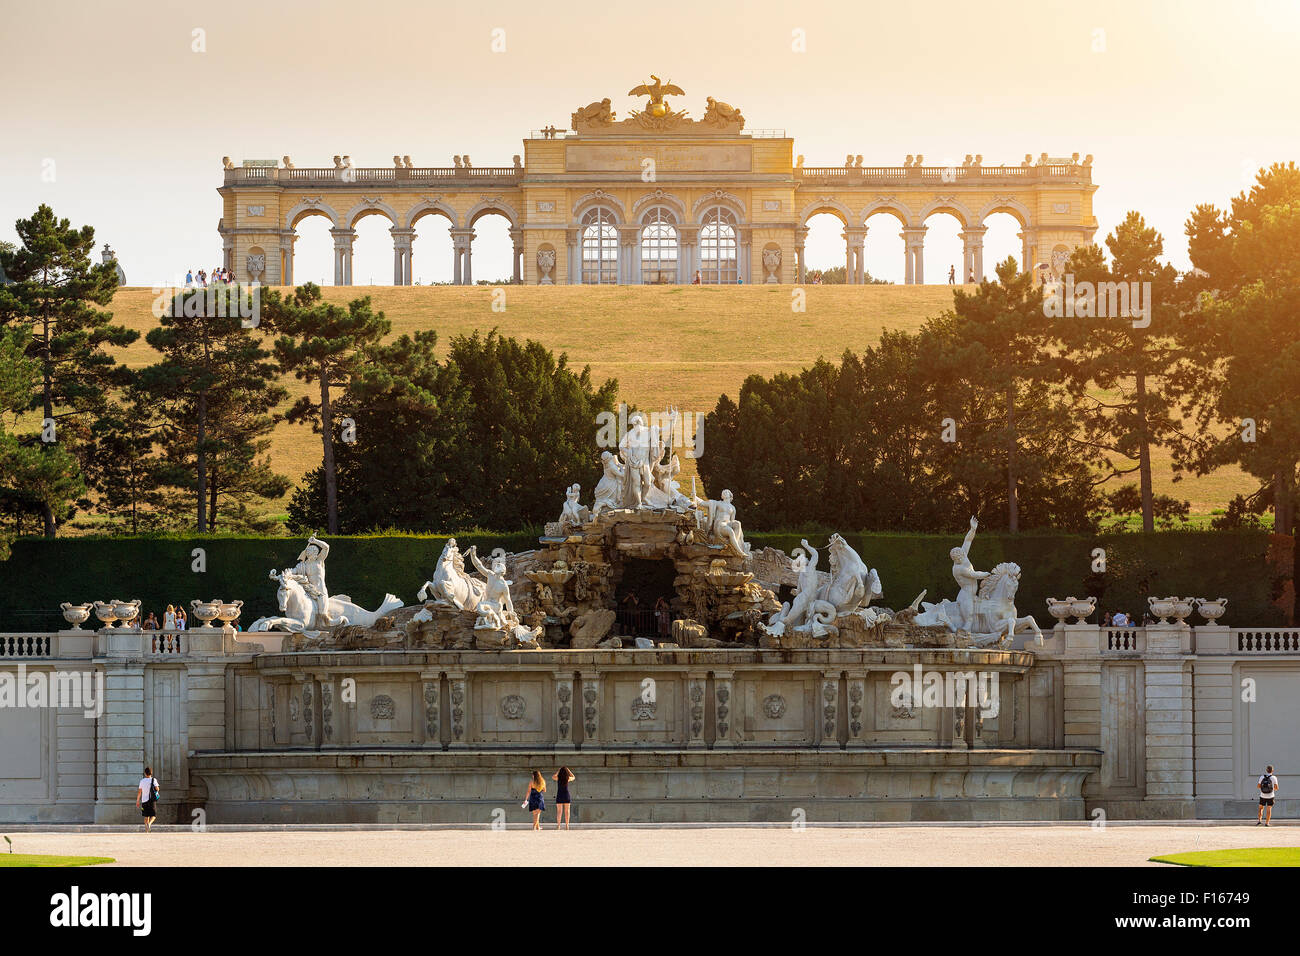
[653, 846]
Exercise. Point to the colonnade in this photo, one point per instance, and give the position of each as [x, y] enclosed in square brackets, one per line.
[972, 237]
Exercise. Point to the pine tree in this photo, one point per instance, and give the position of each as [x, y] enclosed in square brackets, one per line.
[325, 345]
[52, 293]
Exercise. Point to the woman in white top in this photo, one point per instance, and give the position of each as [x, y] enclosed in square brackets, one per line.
[146, 798]
[169, 619]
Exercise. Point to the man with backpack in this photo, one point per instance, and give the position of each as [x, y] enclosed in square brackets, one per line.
[146, 798]
[1267, 792]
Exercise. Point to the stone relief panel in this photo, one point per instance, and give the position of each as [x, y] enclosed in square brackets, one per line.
[774, 708]
[645, 710]
[508, 709]
[387, 712]
[898, 720]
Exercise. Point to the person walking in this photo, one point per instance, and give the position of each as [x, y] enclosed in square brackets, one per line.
[535, 803]
[146, 798]
[562, 777]
[1267, 787]
[952, 275]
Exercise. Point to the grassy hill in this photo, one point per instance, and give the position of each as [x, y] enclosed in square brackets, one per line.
[679, 345]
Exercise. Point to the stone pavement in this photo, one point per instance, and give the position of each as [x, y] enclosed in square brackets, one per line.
[923, 845]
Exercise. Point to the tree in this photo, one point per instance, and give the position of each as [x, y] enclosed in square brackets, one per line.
[488, 438]
[994, 342]
[402, 468]
[214, 391]
[1121, 363]
[323, 344]
[123, 464]
[52, 294]
[865, 445]
[1243, 327]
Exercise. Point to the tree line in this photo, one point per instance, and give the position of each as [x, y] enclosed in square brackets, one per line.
[1021, 404]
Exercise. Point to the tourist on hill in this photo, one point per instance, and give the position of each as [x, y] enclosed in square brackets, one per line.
[1267, 787]
[696, 280]
[169, 619]
[1108, 619]
[564, 776]
[189, 278]
[952, 275]
[1120, 619]
[182, 620]
[535, 802]
[146, 798]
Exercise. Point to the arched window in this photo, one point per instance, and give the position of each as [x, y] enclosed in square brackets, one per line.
[659, 247]
[599, 248]
[718, 247]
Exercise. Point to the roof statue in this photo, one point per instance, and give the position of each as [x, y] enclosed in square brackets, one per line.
[657, 91]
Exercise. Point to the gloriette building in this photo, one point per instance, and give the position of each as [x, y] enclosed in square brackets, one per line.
[654, 197]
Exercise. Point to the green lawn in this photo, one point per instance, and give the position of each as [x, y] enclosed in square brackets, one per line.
[41, 859]
[1251, 856]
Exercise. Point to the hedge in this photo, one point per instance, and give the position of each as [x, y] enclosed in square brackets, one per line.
[41, 573]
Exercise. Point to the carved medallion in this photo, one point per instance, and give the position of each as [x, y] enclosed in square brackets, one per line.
[774, 706]
[513, 707]
[383, 707]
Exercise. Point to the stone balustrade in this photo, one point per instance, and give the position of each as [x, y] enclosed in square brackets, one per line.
[352, 176]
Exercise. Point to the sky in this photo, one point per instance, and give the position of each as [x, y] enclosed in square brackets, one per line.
[117, 115]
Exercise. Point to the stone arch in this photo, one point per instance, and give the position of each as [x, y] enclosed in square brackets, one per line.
[311, 207]
[489, 207]
[719, 197]
[375, 207]
[599, 197]
[889, 206]
[827, 204]
[428, 207]
[1007, 204]
[648, 202]
[949, 205]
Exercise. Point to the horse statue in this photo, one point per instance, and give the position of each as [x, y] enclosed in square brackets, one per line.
[451, 585]
[297, 609]
[995, 619]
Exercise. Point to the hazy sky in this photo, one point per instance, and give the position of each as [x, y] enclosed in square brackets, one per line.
[1178, 101]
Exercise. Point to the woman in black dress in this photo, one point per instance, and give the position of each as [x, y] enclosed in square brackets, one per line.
[562, 778]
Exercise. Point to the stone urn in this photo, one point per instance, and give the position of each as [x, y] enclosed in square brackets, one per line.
[1060, 609]
[1082, 608]
[1182, 609]
[104, 610]
[78, 614]
[205, 611]
[229, 612]
[128, 612]
[1211, 610]
[1162, 608]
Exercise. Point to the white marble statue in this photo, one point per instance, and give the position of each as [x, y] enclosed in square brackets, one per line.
[849, 589]
[609, 490]
[720, 523]
[496, 609]
[451, 585]
[311, 569]
[575, 514]
[298, 609]
[638, 448]
[985, 606]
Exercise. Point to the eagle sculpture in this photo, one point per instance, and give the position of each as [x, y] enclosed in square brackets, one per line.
[657, 90]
